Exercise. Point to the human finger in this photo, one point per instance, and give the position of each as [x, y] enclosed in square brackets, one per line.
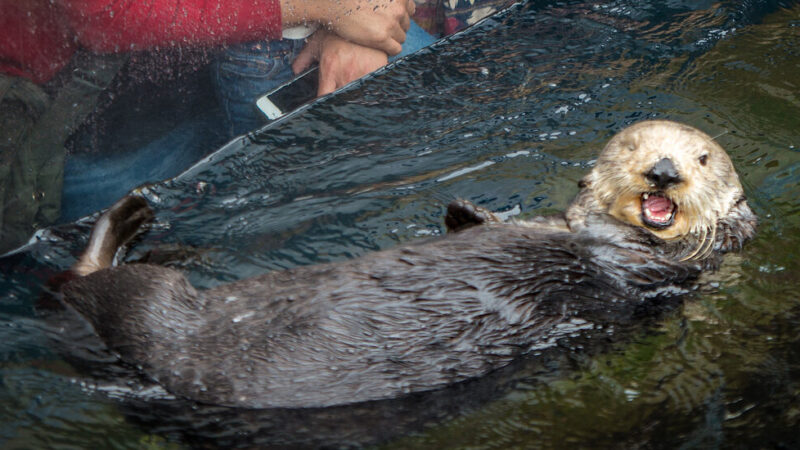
[405, 23]
[394, 45]
[411, 7]
[327, 81]
[398, 36]
[303, 60]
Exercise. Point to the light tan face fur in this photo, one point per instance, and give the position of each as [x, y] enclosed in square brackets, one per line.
[705, 193]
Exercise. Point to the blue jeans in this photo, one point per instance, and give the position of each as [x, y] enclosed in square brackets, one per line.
[93, 181]
[247, 71]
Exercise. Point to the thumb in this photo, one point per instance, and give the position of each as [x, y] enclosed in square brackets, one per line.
[304, 59]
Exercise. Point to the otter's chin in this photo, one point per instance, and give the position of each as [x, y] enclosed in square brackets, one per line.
[658, 211]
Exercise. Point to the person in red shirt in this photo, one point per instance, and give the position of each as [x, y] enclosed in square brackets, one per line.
[40, 38]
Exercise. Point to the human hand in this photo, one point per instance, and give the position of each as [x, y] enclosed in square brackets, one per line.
[340, 61]
[378, 24]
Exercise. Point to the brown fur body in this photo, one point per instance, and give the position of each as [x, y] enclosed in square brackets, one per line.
[423, 315]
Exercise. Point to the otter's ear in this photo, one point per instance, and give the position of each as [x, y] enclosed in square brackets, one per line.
[463, 214]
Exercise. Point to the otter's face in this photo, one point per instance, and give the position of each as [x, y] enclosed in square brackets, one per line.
[670, 179]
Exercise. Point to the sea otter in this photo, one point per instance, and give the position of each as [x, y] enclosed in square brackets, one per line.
[661, 204]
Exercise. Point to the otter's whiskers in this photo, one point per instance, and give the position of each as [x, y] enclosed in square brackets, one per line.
[700, 244]
[719, 135]
[704, 246]
[711, 243]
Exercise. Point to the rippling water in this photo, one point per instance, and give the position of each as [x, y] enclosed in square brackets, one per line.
[509, 114]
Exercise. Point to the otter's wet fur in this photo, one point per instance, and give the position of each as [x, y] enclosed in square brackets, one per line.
[427, 314]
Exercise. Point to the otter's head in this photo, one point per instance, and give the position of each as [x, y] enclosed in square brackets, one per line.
[669, 179]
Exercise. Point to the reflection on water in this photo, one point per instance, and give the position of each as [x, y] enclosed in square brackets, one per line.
[508, 115]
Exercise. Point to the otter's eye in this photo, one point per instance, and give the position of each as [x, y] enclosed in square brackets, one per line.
[703, 159]
[631, 147]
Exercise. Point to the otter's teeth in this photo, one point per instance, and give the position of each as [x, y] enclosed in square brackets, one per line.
[657, 210]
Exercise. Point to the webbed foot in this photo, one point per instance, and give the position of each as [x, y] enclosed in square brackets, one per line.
[112, 230]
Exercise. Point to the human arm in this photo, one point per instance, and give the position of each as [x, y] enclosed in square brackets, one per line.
[379, 24]
[340, 61]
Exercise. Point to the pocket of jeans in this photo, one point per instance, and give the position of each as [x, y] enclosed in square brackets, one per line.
[245, 71]
[259, 60]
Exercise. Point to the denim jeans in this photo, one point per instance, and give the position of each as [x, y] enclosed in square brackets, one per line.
[247, 71]
[93, 181]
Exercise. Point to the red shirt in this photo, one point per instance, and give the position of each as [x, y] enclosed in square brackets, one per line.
[37, 37]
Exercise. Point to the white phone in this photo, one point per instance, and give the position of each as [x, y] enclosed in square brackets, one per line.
[291, 95]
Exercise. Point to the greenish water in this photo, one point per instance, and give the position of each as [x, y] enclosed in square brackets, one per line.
[508, 115]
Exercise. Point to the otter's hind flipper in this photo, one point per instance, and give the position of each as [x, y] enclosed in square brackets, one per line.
[463, 214]
[113, 229]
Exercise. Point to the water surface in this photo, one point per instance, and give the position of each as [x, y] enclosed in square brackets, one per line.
[509, 114]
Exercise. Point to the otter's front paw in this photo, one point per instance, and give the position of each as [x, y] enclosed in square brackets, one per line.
[463, 214]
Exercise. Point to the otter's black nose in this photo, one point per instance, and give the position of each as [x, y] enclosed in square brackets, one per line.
[663, 174]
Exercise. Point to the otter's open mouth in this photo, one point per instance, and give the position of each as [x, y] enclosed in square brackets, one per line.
[658, 211]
